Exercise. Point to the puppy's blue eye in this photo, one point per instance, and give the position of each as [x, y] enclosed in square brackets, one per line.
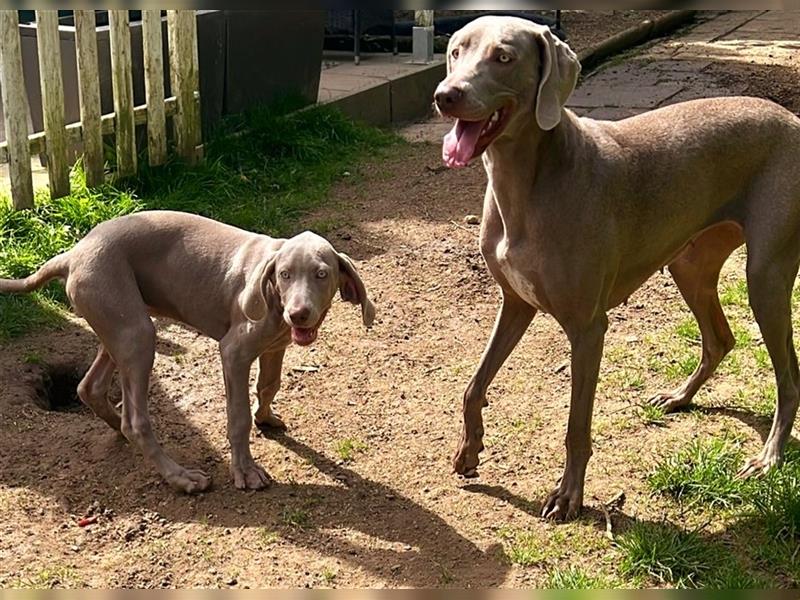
[504, 58]
[284, 274]
[322, 274]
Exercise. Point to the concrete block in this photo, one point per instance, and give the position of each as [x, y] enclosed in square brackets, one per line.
[371, 105]
[412, 96]
[422, 45]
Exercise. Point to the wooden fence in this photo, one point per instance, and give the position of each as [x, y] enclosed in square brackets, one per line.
[57, 137]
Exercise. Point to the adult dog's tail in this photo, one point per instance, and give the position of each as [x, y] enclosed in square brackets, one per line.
[58, 266]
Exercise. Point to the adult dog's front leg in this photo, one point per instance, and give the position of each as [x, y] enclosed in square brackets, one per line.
[512, 321]
[247, 474]
[566, 500]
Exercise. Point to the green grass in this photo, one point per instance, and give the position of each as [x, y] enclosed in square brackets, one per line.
[670, 555]
[28, 238]
[652, 415]
[262, 171]
[775, 500]
[735, 294]
[266, 167]
[296, 517]
[704, 472]
[688, 330]
[56, 576]
[682, 365]
[666, 554]
[573, 578]
[347, 449]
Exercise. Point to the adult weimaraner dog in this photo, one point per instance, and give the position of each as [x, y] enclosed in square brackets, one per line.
[252, 293]
[578, 213]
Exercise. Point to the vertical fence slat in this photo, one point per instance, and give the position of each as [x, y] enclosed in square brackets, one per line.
[182, 26]
[122, 83]
[15, 111]
[89, 92]
[52, 83]
[154, 87]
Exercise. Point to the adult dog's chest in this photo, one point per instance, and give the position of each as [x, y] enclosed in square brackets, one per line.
[512, 263]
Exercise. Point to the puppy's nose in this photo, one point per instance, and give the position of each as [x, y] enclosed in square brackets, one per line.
[299, 316]
[448, 96]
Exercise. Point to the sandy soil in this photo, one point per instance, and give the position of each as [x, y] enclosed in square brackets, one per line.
[391, 514]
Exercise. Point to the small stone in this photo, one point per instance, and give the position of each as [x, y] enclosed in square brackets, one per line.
[472, 220]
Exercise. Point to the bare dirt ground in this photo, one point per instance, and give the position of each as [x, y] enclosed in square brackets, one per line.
[363, 494]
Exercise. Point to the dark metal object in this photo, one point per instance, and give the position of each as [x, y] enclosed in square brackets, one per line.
[359, 23]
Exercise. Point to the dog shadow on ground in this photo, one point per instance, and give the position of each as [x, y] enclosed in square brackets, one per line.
[75, 461]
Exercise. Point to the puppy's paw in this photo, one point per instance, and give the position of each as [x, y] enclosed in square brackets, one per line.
[250, 476]
[189, 481]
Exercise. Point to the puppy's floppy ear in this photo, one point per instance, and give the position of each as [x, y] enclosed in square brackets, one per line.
[559, 76]
[253, 299]
[352, 289]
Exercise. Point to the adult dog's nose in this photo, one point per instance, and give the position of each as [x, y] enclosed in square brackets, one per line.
[447, 96]
[299, 316]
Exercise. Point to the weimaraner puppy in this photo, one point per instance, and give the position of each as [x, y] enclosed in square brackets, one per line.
[578, 213]
[252, 293]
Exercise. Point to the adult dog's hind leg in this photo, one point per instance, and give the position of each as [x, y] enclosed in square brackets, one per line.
[696, 273]
[93, 388]
[770, 284]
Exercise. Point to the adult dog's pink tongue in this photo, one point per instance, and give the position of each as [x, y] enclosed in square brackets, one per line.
[459, 145]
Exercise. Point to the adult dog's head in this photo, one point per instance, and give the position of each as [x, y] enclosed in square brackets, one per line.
[301, 280]
[501, 73]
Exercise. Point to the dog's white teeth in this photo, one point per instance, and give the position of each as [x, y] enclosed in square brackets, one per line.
[495, 117]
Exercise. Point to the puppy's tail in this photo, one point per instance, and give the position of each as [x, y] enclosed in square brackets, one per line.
[56, 267]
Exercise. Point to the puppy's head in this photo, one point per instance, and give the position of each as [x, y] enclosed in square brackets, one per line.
[501, 73]
[300, 280]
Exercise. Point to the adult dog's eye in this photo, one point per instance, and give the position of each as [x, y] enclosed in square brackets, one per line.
[455, 53]
[322, 274]
[504, 58]
[284, 274]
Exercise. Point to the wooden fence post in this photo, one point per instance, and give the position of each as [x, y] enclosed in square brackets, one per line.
[89, 92]
[154, 87]
[49, 45]
[184, 78]
[122, 82]
[15, 111]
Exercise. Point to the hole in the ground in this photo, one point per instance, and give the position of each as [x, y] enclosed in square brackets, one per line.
[57, 388]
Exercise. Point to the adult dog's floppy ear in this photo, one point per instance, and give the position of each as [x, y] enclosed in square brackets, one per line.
[559, 76]
[352, 289]
[253, 299]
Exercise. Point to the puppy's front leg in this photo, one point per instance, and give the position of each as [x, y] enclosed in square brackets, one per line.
[566, 500]
[247, 475]
[269, 382]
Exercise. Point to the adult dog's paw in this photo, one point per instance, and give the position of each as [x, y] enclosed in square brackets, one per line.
[270, 422]
[563, 504]
[251, 476]
[466, 460]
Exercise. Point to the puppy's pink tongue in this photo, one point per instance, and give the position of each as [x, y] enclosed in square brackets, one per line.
[303, 336]
[459, 145]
